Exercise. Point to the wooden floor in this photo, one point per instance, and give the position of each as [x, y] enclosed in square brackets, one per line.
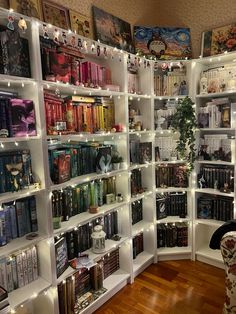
[179, 287]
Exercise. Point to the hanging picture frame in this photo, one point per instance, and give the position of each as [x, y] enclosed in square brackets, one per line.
[30, 8]
[111, 30]
[163, 42]
[55, 14]
[80, 24]
[218, 40]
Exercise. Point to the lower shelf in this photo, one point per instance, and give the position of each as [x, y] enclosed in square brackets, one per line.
[142, 260]
[113, 284]
[22, 295]
[174, 253]
[209, 256]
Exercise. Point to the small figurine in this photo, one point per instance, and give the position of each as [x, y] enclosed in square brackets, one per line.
[45, 32]
[56, 36]
[72, 41]
[10, 24]
[203, 85]
[22, 24]
[202, 182]
[64, 38]
[175, 89]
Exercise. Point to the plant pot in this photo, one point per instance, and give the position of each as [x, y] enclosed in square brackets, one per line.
[116, 166]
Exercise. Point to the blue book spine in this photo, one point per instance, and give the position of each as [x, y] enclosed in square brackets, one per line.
[12, 210]
[8, 224]
[26, 214]
[3, 237]
[33, 214]
[20, 219]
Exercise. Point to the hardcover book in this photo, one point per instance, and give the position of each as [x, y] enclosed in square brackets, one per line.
[61, 256]
[103, 159]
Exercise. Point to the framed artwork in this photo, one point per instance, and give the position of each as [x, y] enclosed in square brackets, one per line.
[219, 40]
[163, 42]
[55, 14]
[30, 8]
[111, 30]
[80, 24]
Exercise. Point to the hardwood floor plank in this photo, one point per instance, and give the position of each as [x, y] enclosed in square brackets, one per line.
[171, 287]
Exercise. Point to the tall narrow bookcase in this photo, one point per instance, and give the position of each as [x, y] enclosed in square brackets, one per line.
[41, 296]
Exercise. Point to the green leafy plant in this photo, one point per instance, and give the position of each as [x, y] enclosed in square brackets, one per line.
[184, 122]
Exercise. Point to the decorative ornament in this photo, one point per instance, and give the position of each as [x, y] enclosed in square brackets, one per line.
[56, 36]
[129, 60]
[64, 39]
[57, 92]
[156, 66]
[105, 51]
[85, 45]
[145, 63]
[45, 32]
[98, 50]
[80, 43]
[164, 66]
[10, 24]
[98, 238]
[92, 47]
[148, 64]
[22, 24]
[72, 41]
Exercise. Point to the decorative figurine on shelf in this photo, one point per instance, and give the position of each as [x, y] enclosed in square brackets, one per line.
[98, 238]
[225, 189]
[15, 172]
[203, 85]
[22, 24]
[160, 121]
[45, 32]
[183, 88]
[202, 182]
[10, 24]
[175, 89]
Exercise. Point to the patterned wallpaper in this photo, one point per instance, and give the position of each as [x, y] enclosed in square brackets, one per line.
[199, 15]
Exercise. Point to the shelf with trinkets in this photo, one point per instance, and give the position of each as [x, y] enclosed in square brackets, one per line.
[214, 197]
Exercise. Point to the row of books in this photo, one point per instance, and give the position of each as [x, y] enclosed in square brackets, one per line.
[164, 147]
[136, 182]
[140, 152]
[215, 147]
[215, 114]
[170, 83]
[72, 201]
[171, 235]
[70, 160]
[15, 170]
[218, 79]
[80, 289]
[17, 116]
[67, 67]
[137, 211]
[137, 245]
[110, 263]
[17, 219]
[171, 204]
[79, 240]
[216, 177]
[171, 176]
[19, 269]
[215, 207]
[78, 114]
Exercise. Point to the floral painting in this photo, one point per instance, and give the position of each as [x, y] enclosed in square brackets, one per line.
[55, 15]
[219, 40]
[163, 42]
[111, 30]
[30, 8]
[80, 24]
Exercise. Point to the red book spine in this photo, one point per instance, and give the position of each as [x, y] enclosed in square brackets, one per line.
[54, 113]
[69, 116]
[94, 118]
[48, 114]
[79, 117]
[89, 118]
[75, 118]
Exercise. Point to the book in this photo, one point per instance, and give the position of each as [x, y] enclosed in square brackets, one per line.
[61, 256]
[103, 159]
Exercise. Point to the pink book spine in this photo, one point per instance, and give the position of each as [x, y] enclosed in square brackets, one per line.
[94, 73]
[80, 72]
[85, 72]
[99, 74]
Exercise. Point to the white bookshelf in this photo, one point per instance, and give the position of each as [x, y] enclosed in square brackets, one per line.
[41, 296]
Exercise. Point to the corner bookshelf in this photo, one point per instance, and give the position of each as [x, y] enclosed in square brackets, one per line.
[138, 109]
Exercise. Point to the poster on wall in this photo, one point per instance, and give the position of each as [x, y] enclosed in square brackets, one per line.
[80, 24]
[219, 40]
[55, 14]
[30, 8]
[111, 30]
[163, 42]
